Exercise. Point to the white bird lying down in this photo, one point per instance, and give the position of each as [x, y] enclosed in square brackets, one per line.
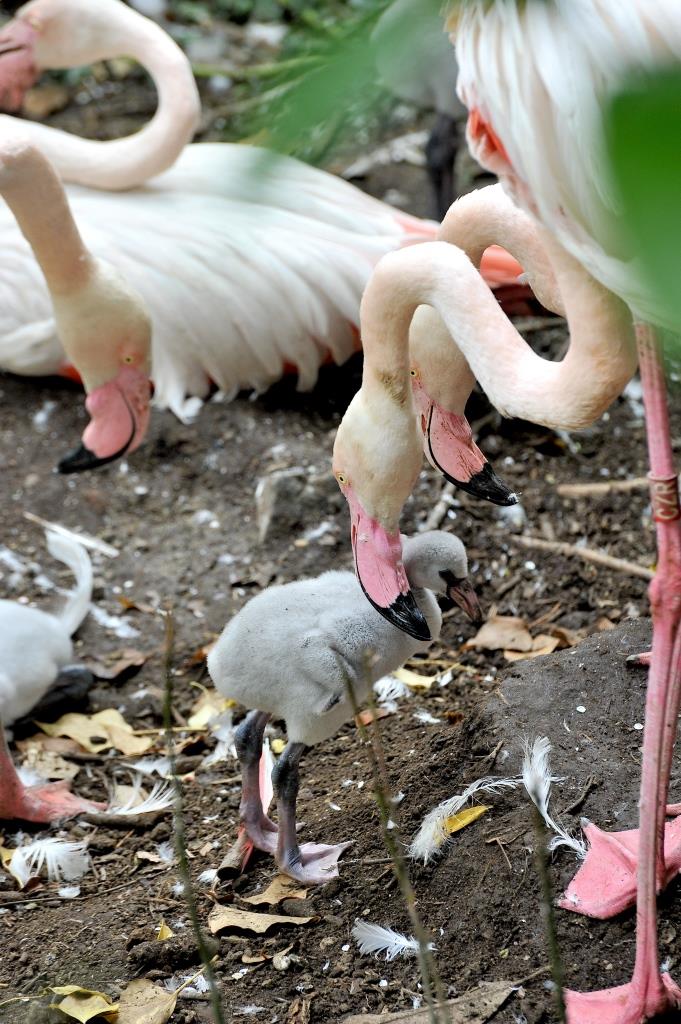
[289, 653]
[35, 650]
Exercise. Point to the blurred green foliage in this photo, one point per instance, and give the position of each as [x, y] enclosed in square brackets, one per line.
[644, 144]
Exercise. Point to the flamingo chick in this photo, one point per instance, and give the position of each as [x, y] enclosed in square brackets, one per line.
[293, 651]
[102, 323]
[35, 650]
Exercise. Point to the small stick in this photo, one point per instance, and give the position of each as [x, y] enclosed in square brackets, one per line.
[587, 555]
[439, 510]
[83, 538]
[547, 911]
[637, 483]
[591, 783]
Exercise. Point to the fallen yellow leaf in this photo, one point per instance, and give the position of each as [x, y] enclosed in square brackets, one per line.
[142, 1002]
[221, 918]
[280, 888]
[98, 732]
[209, 705]
[83, 1005]
[415, 682]
[164, 932]
[465, 817]
[502, 632]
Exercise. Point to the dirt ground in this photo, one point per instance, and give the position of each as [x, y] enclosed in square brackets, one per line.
[182, 513]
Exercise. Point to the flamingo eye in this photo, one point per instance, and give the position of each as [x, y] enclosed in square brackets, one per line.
[128, 359]
[341, 478]
[414, 373]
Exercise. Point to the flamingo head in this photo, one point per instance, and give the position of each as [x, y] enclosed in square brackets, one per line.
[106, 333]
[376, 461]
[56, 34]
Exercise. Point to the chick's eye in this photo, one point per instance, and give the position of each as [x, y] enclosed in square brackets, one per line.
[341, 478]
[413, 373]
[128, 359]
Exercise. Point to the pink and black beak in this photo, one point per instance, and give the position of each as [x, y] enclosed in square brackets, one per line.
[381, 575]
[461, 592]
[449, 447]
[119, 412]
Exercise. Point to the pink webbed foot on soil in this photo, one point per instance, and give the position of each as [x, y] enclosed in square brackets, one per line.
[45, 803]
[642, 659]
[449, 447]
[605, 884]
[626, 1004]
[263, 834]
[316, 864]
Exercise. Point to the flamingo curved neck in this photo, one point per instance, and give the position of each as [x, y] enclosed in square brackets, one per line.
[569, 394]
[34, 194]
[128, 162]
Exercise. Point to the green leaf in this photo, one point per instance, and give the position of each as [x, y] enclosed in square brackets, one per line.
[643, 136]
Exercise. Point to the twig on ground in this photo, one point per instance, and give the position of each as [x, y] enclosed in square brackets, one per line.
[587, 555]
[591, 783]
[595, 490]
[548, 913]
[439, 510]
[179, 827]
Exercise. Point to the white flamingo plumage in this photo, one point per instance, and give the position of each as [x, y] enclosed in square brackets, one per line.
[536, 79]
[248, 264]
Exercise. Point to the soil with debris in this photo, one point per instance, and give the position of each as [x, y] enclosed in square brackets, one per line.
[182, 514]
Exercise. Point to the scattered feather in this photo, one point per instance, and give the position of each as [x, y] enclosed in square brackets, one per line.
[69, 892]
[425, 717]
[434, 831]
[390, 689]
[374, 938]
[537, 780]
[208, 876]
[159, 799]
[63, 861]
[222, 728]
[153, 766]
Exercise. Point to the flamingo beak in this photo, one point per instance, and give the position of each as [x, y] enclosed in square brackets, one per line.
[450, 448]
[461, 592]
[119, 413]
[379, 568]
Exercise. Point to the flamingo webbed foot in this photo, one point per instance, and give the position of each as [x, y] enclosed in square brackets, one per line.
[313, 863]
[633, 1003]
[45, 803]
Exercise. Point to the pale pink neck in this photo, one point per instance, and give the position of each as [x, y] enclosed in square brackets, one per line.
[128, 162]
[36, 197]
[569, 394]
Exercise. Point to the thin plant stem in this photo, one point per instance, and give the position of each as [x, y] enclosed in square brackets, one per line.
[548, 913]
[392, 841]
[179, 833]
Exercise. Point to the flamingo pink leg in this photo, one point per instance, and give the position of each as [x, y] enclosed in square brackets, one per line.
[649, 992]
[43, 804]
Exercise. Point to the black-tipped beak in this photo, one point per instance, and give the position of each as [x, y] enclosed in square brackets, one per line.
[461, 592]
[405, 614]
[81, 458]
[488, 486]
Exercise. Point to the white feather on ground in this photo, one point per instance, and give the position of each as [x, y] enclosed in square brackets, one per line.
[63, 861]
[160, 797]
[374, 938]
[432, 836]
[537, 780]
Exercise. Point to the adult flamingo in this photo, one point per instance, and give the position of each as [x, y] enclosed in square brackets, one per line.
[544, 140]
[102, 322]
[248, 264]
[377, 453]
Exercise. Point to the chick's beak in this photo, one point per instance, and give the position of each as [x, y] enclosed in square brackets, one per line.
[462, 593]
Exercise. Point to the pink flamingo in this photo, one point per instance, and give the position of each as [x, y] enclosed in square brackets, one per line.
[465, 336]
[544, 141]
[248, 265]
[103, 324]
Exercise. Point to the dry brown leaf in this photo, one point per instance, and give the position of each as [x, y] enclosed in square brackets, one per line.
[475, 1007]
[82, 1004]
[117, 664]
[370, 715]
[603, 624]
[99, 732]
[299, 1011]
[541, 645]
[567, 637]
[502, 632]
[453, 717]
[142, 1002]
[280, 888]
[415, 682]
[222, 918]
[134, 606]
[55, 744]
